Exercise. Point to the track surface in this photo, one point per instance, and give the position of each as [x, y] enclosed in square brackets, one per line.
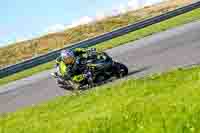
[157, 53]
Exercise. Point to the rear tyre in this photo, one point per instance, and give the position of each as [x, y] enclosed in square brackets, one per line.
[120, 70]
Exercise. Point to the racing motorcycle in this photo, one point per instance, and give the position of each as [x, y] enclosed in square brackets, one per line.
[96, 70]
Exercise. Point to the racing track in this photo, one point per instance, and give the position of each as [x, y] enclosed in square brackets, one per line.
[156, 53]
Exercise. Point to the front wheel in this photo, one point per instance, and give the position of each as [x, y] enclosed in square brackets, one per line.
[120, 70]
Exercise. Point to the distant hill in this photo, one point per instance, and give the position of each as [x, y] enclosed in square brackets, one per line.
[27, 49]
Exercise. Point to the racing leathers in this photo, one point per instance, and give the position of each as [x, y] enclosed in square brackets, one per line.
[75, 71]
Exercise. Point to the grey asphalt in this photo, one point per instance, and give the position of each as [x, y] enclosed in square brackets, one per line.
[178, 47]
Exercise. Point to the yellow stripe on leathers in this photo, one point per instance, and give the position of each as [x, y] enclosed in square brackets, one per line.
[63, 68]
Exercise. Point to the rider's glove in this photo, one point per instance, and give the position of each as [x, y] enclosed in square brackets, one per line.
[87, 74]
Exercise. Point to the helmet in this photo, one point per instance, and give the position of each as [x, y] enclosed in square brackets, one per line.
[67, 56]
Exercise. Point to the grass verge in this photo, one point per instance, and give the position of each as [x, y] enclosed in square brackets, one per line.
[167, 102]
[171, 23]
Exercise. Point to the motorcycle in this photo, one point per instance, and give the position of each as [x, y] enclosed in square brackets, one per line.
[96, 70]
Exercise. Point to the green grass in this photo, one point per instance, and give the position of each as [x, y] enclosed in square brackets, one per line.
[171, 23]
[162, 103]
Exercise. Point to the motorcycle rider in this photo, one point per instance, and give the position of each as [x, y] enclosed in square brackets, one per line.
[84, 53]
[80, 54]
[68, 65]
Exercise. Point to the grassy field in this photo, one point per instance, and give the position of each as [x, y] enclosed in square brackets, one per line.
[19, 51]
[174, 22]
[161, 103]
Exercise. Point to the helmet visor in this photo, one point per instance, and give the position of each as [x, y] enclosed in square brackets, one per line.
[68, 60]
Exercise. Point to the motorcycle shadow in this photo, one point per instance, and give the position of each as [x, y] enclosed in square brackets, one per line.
[131, 73]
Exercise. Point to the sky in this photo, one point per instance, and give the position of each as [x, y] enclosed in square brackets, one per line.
[23, 19]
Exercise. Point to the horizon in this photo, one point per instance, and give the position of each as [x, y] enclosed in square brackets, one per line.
[15, 29]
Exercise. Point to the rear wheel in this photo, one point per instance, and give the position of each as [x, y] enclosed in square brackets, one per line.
[120, 70]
